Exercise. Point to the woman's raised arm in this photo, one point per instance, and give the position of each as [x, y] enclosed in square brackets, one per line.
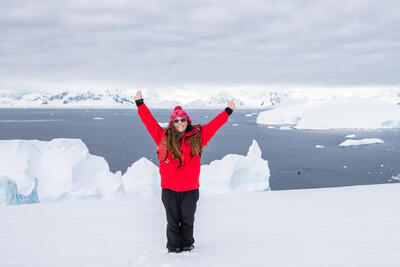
[213, 126]
[147, 118]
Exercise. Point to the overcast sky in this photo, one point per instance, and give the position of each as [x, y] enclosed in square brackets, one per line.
[161, 43]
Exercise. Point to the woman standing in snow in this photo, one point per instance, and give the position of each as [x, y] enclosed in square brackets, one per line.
[179, 150]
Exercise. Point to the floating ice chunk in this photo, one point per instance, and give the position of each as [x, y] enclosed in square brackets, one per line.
[396, 178]
[237, 173]
[98, 118]
[285, 128]
[235, 124]
[350, 136]
[271, 127]
[249, 115]
[319, 146]
[142, 178]
[365, 141]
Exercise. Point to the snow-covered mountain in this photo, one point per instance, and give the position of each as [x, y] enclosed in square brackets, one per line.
[244, 98]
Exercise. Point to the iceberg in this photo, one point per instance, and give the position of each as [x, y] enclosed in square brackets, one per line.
[344, 113]
[233, 173]
[61, 169]
[58, 169]
[360, 142]
[142, 179]
[237, 173]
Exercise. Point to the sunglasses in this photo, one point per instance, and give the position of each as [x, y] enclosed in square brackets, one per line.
[177, 121]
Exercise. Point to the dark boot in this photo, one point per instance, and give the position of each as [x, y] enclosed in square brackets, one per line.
[189, 248]
[174, 250]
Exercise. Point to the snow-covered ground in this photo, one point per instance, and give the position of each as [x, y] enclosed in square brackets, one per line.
[34, 171]
[346, 226]
[343, 113]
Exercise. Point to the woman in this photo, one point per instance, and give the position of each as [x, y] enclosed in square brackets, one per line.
[179, 150]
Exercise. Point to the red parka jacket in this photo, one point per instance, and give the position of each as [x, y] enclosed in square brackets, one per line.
[181, 175]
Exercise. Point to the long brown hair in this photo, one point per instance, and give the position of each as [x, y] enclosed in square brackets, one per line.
[174, 138]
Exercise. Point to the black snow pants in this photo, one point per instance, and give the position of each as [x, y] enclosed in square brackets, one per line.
[180, 208]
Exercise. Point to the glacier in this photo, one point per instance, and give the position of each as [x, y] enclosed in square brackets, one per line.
[34, 171]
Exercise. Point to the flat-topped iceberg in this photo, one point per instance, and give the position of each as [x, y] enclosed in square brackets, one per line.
[344, 113]
[40, 171]
[360, 142]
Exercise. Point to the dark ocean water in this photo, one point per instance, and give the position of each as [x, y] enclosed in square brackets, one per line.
[294, 162]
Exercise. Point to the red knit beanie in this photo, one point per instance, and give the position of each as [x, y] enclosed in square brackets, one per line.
[179, 112]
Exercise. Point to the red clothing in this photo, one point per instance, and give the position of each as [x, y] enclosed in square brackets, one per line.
[181, 175]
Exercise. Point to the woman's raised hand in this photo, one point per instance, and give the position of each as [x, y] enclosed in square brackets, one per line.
[231, 104]
[138, 95]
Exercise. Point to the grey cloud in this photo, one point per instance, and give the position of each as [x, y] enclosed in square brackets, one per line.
[174, 42]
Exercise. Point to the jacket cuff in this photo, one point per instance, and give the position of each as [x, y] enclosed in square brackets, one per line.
[139, 102]
[228, 110]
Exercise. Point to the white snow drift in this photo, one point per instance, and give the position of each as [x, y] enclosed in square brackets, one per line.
[38, 171]
[344, 113]
[343, 226]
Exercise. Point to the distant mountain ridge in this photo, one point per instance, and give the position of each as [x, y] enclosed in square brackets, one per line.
[245, 99]
[118, 99]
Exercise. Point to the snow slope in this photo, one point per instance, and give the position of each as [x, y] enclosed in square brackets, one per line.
[346, 226]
